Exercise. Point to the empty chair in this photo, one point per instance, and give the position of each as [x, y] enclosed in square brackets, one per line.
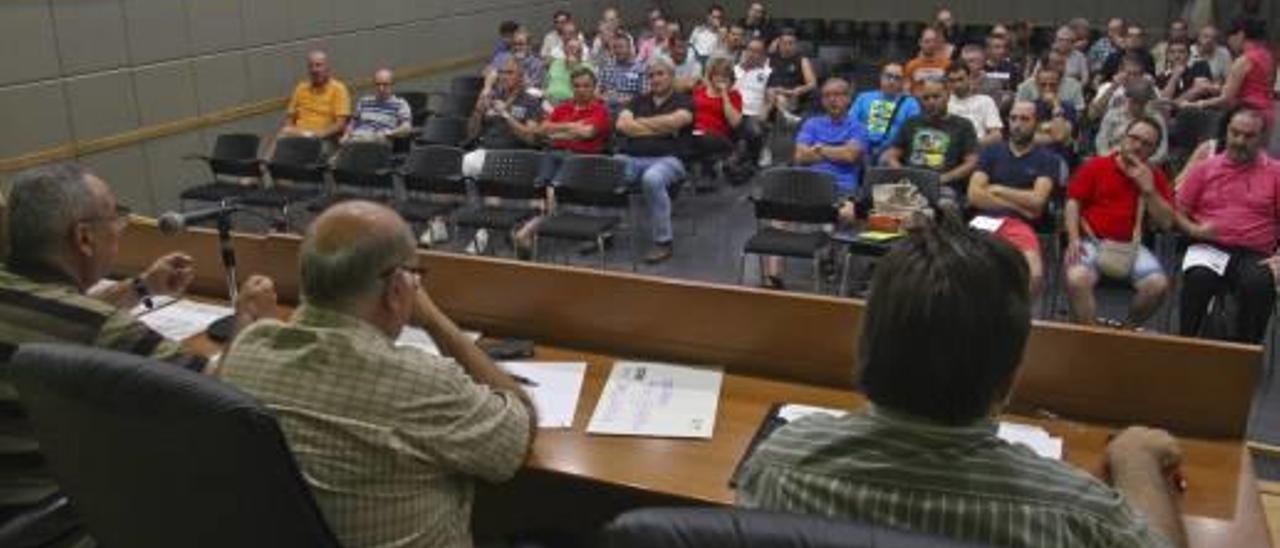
[811, 29]
[466, 85]
[297, 171]
[788, 197]
[783, 23]
[431, 172]
[157, 456]
[836, 55]
[841, 32]
[507, 184]
[876, 37]
[444, 130]
[588, 181]
[1189, 128]
[454, 104]
[909, 35]
[234, 157]
[361, 170]
[419, 103]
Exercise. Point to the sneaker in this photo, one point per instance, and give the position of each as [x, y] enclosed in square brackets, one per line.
[424, 240]
[439, 231]
[766, 157]
[479, 243]
[659, 253]
[790, 119]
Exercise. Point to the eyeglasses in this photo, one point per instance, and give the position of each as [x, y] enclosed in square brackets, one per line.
[417, 271]
[118, 221]
[891, 76]
[1149, 143]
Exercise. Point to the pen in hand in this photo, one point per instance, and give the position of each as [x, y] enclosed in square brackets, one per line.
[524, 380]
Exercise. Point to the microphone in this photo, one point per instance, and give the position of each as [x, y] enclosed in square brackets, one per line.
[174, 222]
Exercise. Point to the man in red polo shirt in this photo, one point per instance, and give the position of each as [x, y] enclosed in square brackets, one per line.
[1102, 209]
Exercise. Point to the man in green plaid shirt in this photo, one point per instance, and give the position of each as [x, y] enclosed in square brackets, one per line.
[389, 438]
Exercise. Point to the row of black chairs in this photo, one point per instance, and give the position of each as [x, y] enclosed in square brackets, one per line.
[903, 33]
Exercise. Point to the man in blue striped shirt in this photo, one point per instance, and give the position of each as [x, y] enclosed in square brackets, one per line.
[381, 116]
[925, 456]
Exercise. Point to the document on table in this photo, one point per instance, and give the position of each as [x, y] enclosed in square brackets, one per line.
[1207, 256]
[416, 336]
[555, 389]
[986, 223]
[1034, 437]
[182, 318]
[661, 400]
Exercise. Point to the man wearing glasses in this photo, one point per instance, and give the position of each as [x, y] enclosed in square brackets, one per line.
[882, 112]
[1106, 203]
[390, 438]
[64, 228]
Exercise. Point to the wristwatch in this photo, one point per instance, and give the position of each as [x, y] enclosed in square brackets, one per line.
[140, 289]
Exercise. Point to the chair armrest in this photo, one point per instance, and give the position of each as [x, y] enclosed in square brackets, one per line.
[200, 157]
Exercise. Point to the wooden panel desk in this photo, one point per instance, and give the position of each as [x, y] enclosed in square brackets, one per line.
[795, 348]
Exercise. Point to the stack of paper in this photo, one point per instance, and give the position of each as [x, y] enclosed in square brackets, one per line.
[652, 399]
[554, 387]
[1034, 437]
[415, 336]
[182, 319]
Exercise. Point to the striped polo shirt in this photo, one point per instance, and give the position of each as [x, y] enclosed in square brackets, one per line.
[959, 482]
[374, 116]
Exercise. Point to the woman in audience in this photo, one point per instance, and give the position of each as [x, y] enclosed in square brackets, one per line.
[1252, 76]
[656, 42]
[610, 28]
[559, 87]
[717, 113]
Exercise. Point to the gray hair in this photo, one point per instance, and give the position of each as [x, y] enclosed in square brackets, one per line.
[44, 203]
[661, 61]
[337, 278]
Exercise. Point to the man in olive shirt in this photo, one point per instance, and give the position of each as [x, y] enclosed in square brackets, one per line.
[389, 438]
[65, 228]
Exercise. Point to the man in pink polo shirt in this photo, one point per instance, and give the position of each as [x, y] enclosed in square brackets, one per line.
[1232, 204]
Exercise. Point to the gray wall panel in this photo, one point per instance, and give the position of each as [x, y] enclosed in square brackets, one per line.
[90, 35]
[125, 170]
[157, 30]
[214, 25]
[165, 92]
[221, 81]
[266, 21]
[27, 27]
[35, 117]
[168, 173]
[102, 104]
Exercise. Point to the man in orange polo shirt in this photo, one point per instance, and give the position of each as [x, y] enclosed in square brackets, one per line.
[320, 106]
[933, 61]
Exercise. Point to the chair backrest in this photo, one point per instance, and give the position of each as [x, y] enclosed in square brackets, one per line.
[298, 159]
[593, 180]
[466, 85]
[740, 528]
[456, 104]
[444, 130]
[155, 456]
[811, 29]
[436, 169]
[1191, 126]
[797, 195]
[418, 103]
[511, 174]
[235, 155]
[927, 182]
[364, 164]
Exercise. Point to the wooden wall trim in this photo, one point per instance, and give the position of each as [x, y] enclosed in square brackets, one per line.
[74, 149]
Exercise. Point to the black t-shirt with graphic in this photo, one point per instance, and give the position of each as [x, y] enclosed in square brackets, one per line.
[939, 145]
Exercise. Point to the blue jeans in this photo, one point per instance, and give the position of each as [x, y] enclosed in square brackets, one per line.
[655, 175]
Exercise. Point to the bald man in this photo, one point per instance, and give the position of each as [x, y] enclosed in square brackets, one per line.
[381, 116]
[320, 106]
[390, 438]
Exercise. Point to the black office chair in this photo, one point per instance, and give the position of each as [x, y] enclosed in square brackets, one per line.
[926, 182]
[878, 35]
[419, 105]
[234, 157]
[592, 182]
[836, 55]
[444, 130]
[466, 85]
[155, 456]
[842, 32]
[300, 162]
[812, 29]
[741, 528]
[362, 170]
[432, 171]
[509, 178]
[454, 104]
[792, 195]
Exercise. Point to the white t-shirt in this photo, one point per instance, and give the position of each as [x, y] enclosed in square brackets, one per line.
[751, 84]
[705, 40]
[978, 109]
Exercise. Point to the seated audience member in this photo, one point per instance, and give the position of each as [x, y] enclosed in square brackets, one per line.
[1232, 201]
[883, 112]
[577, 126]
[758, 24]
[937, 141]
[973, 57]
[791, 79]
[1183, 80]
[835, 143]
[1110, 43]
[622, 78]
[1080, 26]
[390, 438]
[735, 42]
[980, 110]
[750, 79]
[320, 106]
[504, 118]
[657, 127]
[1012, 187]
[506, 31]
[932, 61]
[1111, 95]
[609, 29]
[64, 230]
[1178, 32]
[1134, 46]
[563, 29]
[655, 43]
[717, 113]
[1077, 65]
[1000, 66]
[688, 69]
[1207, 148]
[1107, 199]
[1252, 78]
[924, 455]
[559, 74]
[1057, 118]
[1207, 49]
[534, 70]
[381, 116]
[1138, 97]
[707, 39]
[1068, 89]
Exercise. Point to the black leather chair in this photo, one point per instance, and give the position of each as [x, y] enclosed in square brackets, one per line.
[740, 528]
[443, 130]
[300, 161]
[792, 196]
[432, 171]
[234, 157]
[588, 181]
[155, 456]
[507, 184]
[362, 170]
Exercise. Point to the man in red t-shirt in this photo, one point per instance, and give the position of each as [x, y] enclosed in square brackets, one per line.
[1102, 205]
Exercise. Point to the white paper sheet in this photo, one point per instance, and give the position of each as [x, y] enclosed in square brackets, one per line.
[183, 318]
[986, 224]
[662, 400]
[792, 411]
[1207, 256]
[1034, 437]
[556, 388]
[416, 336]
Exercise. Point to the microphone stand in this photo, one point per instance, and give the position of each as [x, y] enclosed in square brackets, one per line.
[222, 329]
